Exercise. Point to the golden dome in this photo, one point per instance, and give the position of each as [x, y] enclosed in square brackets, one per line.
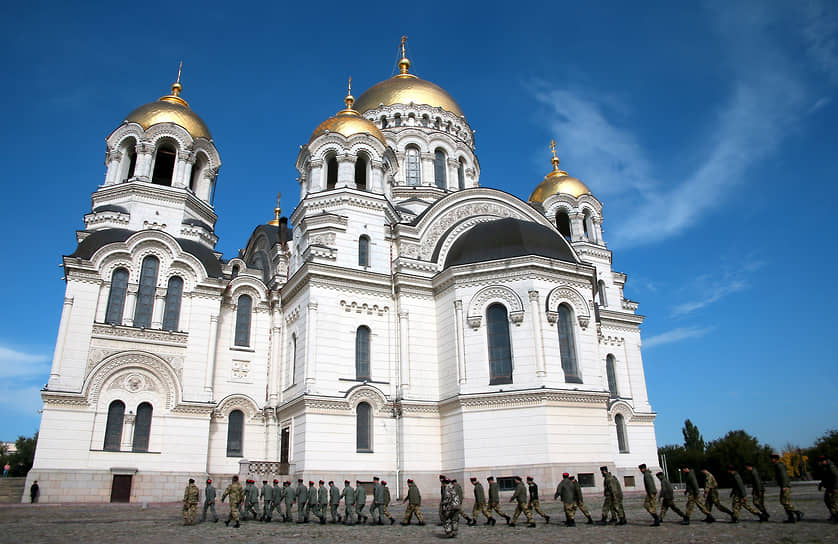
[405, 88]
[558, 182]
[170, 109]
[348, 122]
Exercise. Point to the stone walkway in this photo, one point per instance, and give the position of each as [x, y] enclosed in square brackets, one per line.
[111, 523]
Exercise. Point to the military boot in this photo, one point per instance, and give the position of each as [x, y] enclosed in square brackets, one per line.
[791, 518]
[709, 518]
[622, 521]
[657, 521]
[590, 520]
[603, 521]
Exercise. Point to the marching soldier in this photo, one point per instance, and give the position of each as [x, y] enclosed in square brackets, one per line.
[251, 499]
[520, 495]
[651, 493]
[267, 501]
[757, 489]
[566, 491]
[711, 495]
[279, 497]
[236, 494]
[190, 502]
[209, 502]
[459, 490]
[534, 504]
[782, 476]
[377, 499]
[290, 499]
[334, 502]
[301, 496]
[667, 497]
[451, 503]
[691, 492]
[580, 501]
[829, 482]
[312, 505]
[386, 502]
[322, 501]
[737, 492]
[494, 499]
[479, 504]
[441, 495]
[414, 501]
[360, 501]
[348, 496]
[613, 502]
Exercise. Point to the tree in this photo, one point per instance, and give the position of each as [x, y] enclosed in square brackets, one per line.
[737, 448]
[692, 438]
[826, 445]
[22, 460]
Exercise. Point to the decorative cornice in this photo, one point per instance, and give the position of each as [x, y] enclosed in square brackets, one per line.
[516, 399]
[133, 334]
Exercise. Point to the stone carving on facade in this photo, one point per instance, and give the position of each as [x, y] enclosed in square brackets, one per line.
[571, 296]
[147, 363]
[134, 333]
[368, 309]
[443, 223]
[240, 369]
[325, 239]
[237, 402]
[510, 298]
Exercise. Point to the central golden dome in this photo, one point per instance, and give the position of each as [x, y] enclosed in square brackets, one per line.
[170, 109]
[558, 182]
[348, 122]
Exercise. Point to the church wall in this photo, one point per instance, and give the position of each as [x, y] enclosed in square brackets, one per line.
[197, 362]
[73, 359]
[423, 338]
[446, 326]
[242, 369]
[331, 445]
[636, 375]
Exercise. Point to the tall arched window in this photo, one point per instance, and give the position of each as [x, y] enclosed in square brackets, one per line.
[116, 298]
[171, 315]
[425, 120]
[364, 251]
[361, 172]
[331, 172]
[588, 225]
[563, 223]
[142, 427]
[413, 172]
[243, 311]
[164, 164]
[622, 438]
[235, 431]
[383, 121]
[439, 169]
[113, 428]
[363, 428]
[601, 293]
[611, 373]
[397, 119]
[362, 353]
[500, 350]
[145, 294]
[197, 169]
[567, 345]
[461, 174]
[129, 159]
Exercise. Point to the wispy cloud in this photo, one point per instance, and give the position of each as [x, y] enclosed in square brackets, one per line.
[715, 293]
[709, 288]
[675, 335]
[20, 365]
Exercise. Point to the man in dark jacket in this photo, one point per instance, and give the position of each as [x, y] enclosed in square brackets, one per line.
[782, 477]
[739, 499]
[649, 503]
[667, 498]
[567, 493]
[757, 489]
[691, 492]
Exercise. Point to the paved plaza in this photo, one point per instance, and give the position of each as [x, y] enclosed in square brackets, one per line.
[130, 523]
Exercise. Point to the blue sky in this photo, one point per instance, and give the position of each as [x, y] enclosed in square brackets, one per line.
[708, 130]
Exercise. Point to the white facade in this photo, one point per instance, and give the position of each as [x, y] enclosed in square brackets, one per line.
[298, 375]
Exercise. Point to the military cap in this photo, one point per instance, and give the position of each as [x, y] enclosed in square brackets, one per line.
[299, 479]
[310, 482]
[322, 482]
[603, 469]
[235, 478]
[357, 481]
[347, 482]
[375, 478]
[191, 480]
[731, 467]
[565, 474]
[454, 480]
[775, 456]
[442, 476]
[446, 481]
[409, 481]
[331, 482]
[490, 479]
[659, 474]
[383, 482]
[641, 466]
[264, 481]
[572, 476]
[518, 478]
[209, 481]
[473, 478]
[276, 481]
[529, 478]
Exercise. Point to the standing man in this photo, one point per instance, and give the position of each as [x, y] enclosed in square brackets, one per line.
[691, 492]
[667, 497]
[520, 495]
[739, 500]
[479, 504]
[312, 505]
[757, 489]
[377, 499]
[494, 499]
[252, 505]
[451, 503]
[567, 493]
[534, 504]
[651, 493]
[190, 502]
[580, 501]
[290, 499]
[459, 490]
[613, 502]
[34, 492]
[441, 495]
[360, 501]
[348, 496]
[334, 501]
[829, 481]
[386, 503]
[279, 496]
[414, 501]
[209, 502]
[301, 496]
[236, 494]
[782, 477]
[267, 501]
[711, 495]
[322, 501]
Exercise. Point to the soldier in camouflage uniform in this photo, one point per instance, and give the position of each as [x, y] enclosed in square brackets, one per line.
[279, 496]
[711, 495]
[667, 498]
[290, 498]
[190, 502]
[691, 492]
[782, 477]
[441, 495]
[209, 502]
[360, 502]
[414, 501]
[580, 500]
[386, 502]
[520, 495]
[252, 505]
[494, 499]
[567, 493]
[757, 489]
[377, 498]
[479, 504]
[334, 502]
[739, 500]
[236, 494]
[534, 504]
[459, 489]
[301, 498]
[649, 502]
[267, 496]
[828, 473]
[613, 502]
[451, 507]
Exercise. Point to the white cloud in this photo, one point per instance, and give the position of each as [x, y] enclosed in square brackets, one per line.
[713, 294]
[676, 335]
[710, 288]
[21, 365]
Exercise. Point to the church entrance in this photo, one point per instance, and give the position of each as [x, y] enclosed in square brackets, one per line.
[121, 488]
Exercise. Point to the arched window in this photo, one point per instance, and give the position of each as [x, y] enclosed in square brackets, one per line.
[364, 251]
[164, 164]
[129, 159]
[461, 174]
[197, 169]
[113, 428]
[292, 360]
[243, 310]
[362, 353]
[145, 294]
[611, 373]
[425, 120]
[397, 119]
[174, 293]
[413, 176]
[116, 298]
[588, 225]
[363, 428]
[500, 350]
[567, 345]
[439, 169]
[437, 122]
[235, 272]
[563, 223]
[361, 172]
[383, 121]
[622, 438]
[142, 427]
[235, 430]
[331, 172]
[601, 292]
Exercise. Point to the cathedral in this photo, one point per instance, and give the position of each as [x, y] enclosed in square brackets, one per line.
[403, 321]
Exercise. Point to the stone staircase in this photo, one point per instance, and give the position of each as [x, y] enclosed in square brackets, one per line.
[11, 490]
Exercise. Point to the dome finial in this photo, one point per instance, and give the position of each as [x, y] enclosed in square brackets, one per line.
[349, 100]
[555, 159]
[176, 86]
[404, 64]
[277, 211]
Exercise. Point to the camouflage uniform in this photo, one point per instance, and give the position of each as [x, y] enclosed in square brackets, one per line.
[757, 490]
[236, 494]
[267, 501]
[520, 495]
[414, 501]
[459, 490]
[348, 496]
[377, 498]
[209, 502]
[566, 491]
[334, 502]
[692, 494]
[322, 501]
[580, 500]
[479, 504]
[290, 498]
[739, 500]
[711, 494]
[782, 477]
[534, 504]
[494, 500]
[649, 503]
[385, 502]
[829, 481]
[312, 505]
[360, 502]
[451, 503]
[190, 502]
[667, 497]
[613, 502]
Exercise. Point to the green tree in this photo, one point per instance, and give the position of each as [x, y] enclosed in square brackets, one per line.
[692, 438]
[737, 448]
[826, 445]
[21, 460]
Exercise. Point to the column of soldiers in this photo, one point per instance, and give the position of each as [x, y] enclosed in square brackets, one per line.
[321, 501]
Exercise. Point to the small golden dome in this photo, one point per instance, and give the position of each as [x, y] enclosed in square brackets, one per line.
[348, 122]
[170, 109]
[558, 182]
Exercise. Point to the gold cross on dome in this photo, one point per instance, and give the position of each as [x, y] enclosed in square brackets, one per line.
[404, 39]
[553, 147]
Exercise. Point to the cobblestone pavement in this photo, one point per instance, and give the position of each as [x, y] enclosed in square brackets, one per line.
[82, 524]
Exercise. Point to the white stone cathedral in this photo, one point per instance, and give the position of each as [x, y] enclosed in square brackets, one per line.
[403, 321]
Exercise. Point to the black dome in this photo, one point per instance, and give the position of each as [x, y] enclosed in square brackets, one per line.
[506, 238]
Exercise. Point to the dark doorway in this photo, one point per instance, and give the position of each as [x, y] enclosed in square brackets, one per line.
[285, 438]
[121, 488]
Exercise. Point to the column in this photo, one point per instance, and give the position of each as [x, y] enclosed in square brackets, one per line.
[58, 355]
[209, 378]
[102, 304]
[404, 352]
[346, 171]
[142, 170]
[598, 230]
[426, 176]
[157, 309]
[276, 347]
[130, 304]
[311, 344]
[458, 326]
[577, 230]
[127, 443]
[315, 179]
[113, 159]
[535, 313]
[452, 166]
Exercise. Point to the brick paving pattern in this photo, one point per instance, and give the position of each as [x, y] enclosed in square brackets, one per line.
[130, 523]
